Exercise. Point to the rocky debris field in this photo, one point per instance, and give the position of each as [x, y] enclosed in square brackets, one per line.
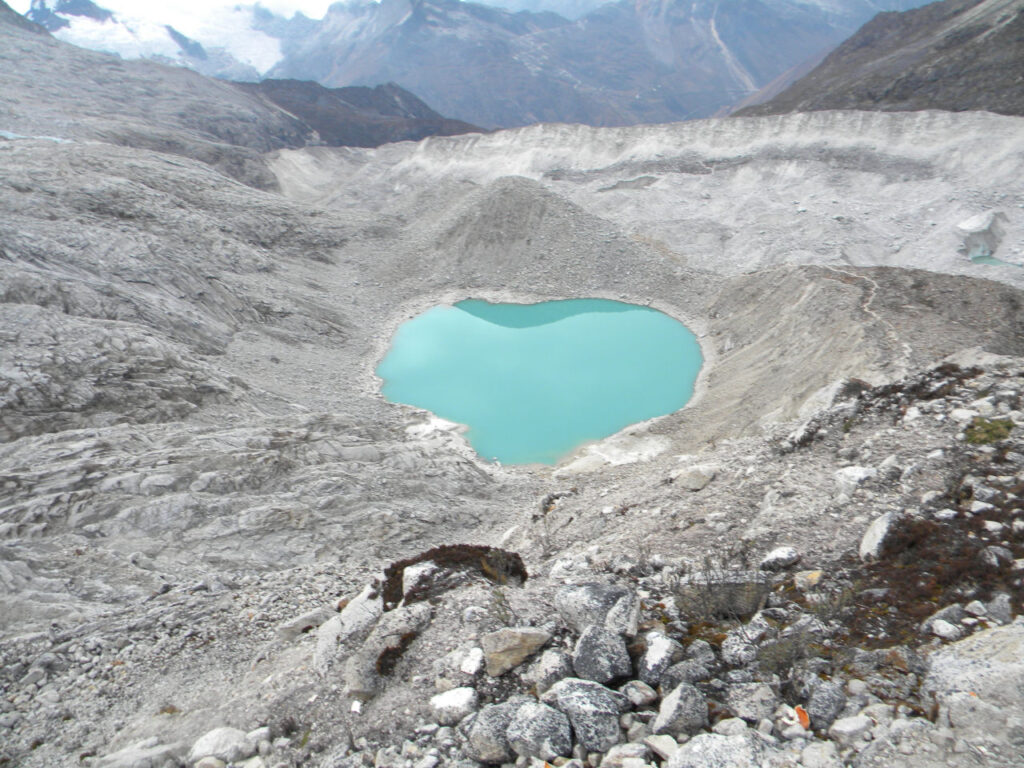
[220, 545]
[899, 645]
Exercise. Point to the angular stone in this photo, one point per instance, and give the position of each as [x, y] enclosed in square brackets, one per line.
[820, 754]
[1000, 609]
[639, 693]
[383, 648]
[710, 750]
[612, 607]
[779, 559]
[873, 541]
[683, 712]
[689, 671]
[486, 740]
[540, 731]
[693, 478]
[228, 744]
[826, 702]
[663, 745]
[624, 755]
[593, 711]
[552, 666]
[142, 755]
[848, 730]
[601, 655]
[305, 622]
[752, 702]
[509, 647]
[450, 707]
[660, 654]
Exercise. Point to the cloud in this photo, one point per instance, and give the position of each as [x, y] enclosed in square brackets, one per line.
[184, 9]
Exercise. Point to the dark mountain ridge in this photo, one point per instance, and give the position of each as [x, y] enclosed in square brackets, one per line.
[955, 55]
[358, 116]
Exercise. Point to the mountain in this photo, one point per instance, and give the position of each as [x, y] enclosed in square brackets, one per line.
[358, 116]
[955, 55]
[146, 104]
[624, 62]
[232, 47]
[618, 63]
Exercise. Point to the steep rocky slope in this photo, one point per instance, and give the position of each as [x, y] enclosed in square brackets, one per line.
[956, 55]
[358, 116]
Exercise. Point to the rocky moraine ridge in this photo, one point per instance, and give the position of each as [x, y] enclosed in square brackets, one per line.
[220, 546]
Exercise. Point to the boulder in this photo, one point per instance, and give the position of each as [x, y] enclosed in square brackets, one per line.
[989, 664]
[601, 655]
[712, 750]
[660, 654]
[683, 712]
[486, 739]
[383, 648]
[612, 607]
[537, 730]
[779, 559]
[509, 647]
[849, 730]
[752, 702]
[873, 541]
[639, 693]
[553, 665]
[593, 711]
[227, 744]
[825, 703]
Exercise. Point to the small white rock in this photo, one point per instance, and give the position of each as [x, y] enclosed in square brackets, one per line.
[451, 706]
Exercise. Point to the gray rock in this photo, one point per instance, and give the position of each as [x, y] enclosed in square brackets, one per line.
[592, 709]
[945, 630]
[752, 702]
[553, 665]
[509, 647]
[873, 541]
[639, 693]
[826, 702]
[701, 651]
[383, 647]
[848, 730]
[726, 593]
[625, 754]
[612, 607]
[228, 744]
[537, 730]
[305, 622]
[683, 712]
[738, 650]
[601, 655]
[486, 739]
[689, 671]
[1000, 609]
[660, 654]
[711, 750]
[452, 706]
[730, 726]
[779, 559]
[952, 614]
[820, 754]
[144, 754]
[693, 478]
[995, 556]
[989, 664]
[663, 745]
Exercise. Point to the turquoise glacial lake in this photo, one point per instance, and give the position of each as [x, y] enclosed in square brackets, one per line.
[532, 382]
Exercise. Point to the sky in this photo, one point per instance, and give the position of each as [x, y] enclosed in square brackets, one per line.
[315, 9]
